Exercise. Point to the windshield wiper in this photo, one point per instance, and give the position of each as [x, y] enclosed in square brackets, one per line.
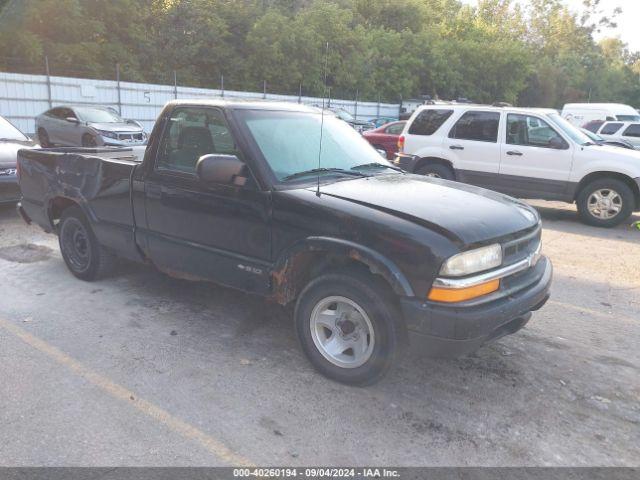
[317, 171]
[377, 165]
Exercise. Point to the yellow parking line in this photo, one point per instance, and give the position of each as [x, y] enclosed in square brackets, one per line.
[116, 391]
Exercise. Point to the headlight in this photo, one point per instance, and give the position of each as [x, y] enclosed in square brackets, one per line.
[473, 261]
[105, 133]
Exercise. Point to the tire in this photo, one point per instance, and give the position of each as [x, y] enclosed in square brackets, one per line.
[43, 138]
[436, 170]
[351, 293]
[615, 193]
[89, 140]
[84, 256]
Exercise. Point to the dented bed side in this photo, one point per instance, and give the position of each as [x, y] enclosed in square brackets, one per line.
[52, 179]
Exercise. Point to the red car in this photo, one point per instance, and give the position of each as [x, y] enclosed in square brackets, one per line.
[385, 137]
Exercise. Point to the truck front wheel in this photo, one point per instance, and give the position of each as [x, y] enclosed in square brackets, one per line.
[84, 256]
[347, 327]
[605, 202]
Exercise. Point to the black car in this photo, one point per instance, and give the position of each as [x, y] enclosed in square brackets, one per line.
[253, 195]
[11, 140]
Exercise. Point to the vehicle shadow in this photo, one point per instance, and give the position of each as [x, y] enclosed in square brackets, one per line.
[562, 217]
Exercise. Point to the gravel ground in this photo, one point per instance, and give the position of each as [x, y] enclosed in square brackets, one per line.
[141, 369]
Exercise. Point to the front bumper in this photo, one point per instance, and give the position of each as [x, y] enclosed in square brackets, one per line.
[9, 188]
[113, 142]
[438, 330]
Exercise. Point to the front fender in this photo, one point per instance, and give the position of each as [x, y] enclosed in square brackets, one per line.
[285, 269]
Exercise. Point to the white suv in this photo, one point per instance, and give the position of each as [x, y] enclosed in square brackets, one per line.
[627, 131]
[528, 153]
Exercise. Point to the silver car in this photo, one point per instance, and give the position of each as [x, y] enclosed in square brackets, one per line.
[11, 140]
[87, 126]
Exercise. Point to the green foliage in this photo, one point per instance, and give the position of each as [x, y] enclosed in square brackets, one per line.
[538, 54]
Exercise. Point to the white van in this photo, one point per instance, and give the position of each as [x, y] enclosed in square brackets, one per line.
[579, 114]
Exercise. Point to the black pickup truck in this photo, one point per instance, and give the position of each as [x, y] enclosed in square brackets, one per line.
[282, 201]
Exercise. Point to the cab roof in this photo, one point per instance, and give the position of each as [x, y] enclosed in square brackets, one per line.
[241, 104]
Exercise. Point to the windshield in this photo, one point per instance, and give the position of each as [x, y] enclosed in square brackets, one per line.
[9, 132]
[628, 118]
[290, 141]
[98, 115]
[573, 132]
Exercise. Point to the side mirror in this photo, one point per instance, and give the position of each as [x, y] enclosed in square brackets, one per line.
[220, 169]
[382, 153]
[558, 143]
[71, 120]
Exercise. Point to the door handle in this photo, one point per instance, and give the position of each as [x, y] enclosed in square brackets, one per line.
[514, 153]
[456, 147]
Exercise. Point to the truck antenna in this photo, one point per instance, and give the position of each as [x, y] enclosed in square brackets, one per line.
[324, 95]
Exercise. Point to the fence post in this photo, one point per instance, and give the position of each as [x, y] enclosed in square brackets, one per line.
[355, 108]
[378, 108]
[48, 74]
[222, 85]
[175, 84]
[300, 94]
[400, 107]
[264, 89]
[118, 86]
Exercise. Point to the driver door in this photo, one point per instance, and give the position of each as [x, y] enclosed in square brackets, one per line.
[213, 232]
[535, 159]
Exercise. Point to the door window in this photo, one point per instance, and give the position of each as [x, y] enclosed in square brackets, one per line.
[532, 132]
[478, 126]
[632, 131]
[429, 121]
[395, 129]
[191, 133]
[610, 128]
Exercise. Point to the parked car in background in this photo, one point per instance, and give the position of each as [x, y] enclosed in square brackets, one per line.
[595, 138]
[579, 114]
[11, 140]
[87, 126]
[380, 121]
[593, 126]
[528, 153]
[385, 137]
[359, 125]
[628, 132]
[377, 260]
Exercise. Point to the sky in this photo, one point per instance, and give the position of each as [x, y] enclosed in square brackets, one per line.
[628, 28]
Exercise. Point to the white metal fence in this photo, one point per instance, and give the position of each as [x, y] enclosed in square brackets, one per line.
[22, 97]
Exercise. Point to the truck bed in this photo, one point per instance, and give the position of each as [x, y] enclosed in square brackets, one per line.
[97, 179]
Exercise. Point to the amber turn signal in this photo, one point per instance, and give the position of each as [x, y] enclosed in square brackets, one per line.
[451, 295]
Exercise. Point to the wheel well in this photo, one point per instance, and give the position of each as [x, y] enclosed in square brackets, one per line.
[298, 271]
[618, 176]
[434, 160]
[57, 206]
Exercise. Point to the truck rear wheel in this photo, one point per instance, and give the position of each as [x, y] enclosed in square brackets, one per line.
[605, 202]
[347, 327]
[84, 256]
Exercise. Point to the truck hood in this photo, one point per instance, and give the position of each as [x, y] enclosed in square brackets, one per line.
[116, 127]
[464, 213]
[9, 152]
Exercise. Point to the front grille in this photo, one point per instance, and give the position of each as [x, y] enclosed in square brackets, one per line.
[131, 137]
[522, 247]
